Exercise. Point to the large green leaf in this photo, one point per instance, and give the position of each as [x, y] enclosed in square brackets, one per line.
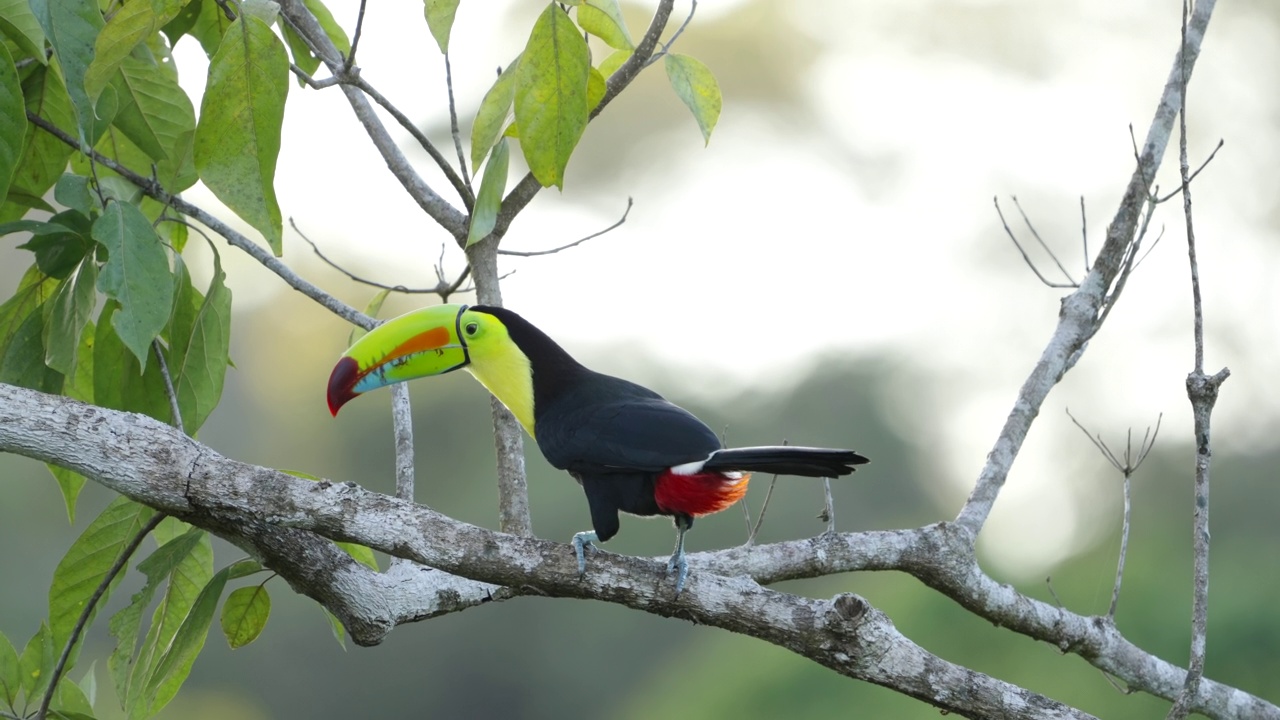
[77, 386]
[72, 28]
[44, 156]
[245, 614]
[22, 362]
[133, 24]
[10, 682]
[86, 564]
[20, 25]
[615, 60]
[33, 290]
[174, 667]
[697, 88]
[126, 623]
[119, 382]
[331, 28]
[492, 114]
[66, 314]
[237, 139]
[551, 95]
[489, 199]
[13, 120]
[136, 274]
[603, 18]
[36, 662]
[59, 245]
[199, 340]
[440, 15]
[155, 113]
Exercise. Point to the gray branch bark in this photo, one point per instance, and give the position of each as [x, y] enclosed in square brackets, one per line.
[282, 520]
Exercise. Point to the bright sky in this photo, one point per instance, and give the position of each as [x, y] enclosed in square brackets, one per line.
[860, 220]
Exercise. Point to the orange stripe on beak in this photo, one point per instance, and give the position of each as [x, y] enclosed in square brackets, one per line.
[432, 339]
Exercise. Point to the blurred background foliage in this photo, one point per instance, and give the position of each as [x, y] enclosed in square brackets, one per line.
[945, 316]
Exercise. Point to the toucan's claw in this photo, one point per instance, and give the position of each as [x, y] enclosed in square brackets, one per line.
[581, 541]
[679, 564]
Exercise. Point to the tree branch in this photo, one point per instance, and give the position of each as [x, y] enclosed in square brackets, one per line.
[1079, 317]
[269, 511]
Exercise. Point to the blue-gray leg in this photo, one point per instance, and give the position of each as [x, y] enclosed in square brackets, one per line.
[581, 541]
[678, 561]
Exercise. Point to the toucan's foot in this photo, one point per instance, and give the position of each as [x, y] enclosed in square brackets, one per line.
[582, 541]
[680, 566]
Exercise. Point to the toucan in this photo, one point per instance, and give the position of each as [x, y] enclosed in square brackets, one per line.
[629, 448]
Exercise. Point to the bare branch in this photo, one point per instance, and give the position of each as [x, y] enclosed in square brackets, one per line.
[1193, 175]
[453, 124]
[443, 288]
[666, 47]
[1078, 320]
[575, 243]
[355, 41]
[1026, 258]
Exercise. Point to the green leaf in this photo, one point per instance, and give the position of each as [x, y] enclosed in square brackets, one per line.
[339, 632]
[136, 274]
[238, 137]
[186, 583]
[70, 483]
[493, 112]
[551, 95]
[336, 34]
[301, 52]
[19, 25]
[13, 120]
[87, 562]
[209, 26]
[44, 157]
[175, 665]
[89, 683]
[596, 87]
[610, 65]
[10, 681]
[697, 88]
[33, 290]
[360, 554]
[59, 245]
[72, 28]
[22, 363]
[489, 200]
[199, 339]
[128, 27]
[440, 20]
[155, 113]
[73, 191]
[243, 568]
[372, 309]
[119, 382]
[70, 701]
[603, 18]
[66, 314]
[244, 615]
[36, 662]
[125, 624]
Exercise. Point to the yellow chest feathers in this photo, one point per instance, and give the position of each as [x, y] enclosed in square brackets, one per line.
[506, 372]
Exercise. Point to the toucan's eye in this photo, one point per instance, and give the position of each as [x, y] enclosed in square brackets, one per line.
[472, 328]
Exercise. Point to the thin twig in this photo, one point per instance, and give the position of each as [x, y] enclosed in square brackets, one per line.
[442, 288]
[1036, 234]
[355, 41]
[1084, 232]
[666, 47]
[829, 507]
[1026, 258]
[174, 410]
[575, 243]
[1193, 175]
[81, 622]
[1203, 393]
[453, 123]
[1048, 582]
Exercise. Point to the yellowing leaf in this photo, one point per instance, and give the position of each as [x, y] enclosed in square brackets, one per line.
[610, 65]
[237, 140]
[493, 113]
[244, 615]
[440, 20]
[697, 88]
[603, 18]
[551, 95]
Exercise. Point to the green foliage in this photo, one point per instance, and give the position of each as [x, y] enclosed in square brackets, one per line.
[237, 139]
[697, 88]
[92, 119]
[489, 199]
[551, 95]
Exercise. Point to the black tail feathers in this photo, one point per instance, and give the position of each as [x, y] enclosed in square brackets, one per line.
[786, 460]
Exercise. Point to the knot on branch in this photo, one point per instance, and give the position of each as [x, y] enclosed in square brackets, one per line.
[849, 607]
[1204, 388]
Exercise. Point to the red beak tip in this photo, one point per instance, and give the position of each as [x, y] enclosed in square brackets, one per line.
[342, 382]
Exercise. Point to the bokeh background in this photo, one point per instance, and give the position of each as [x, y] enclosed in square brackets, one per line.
[829, 270]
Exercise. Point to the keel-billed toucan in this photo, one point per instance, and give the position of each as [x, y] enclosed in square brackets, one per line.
[631, 450]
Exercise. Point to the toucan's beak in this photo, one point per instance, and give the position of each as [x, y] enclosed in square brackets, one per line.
[417, 344]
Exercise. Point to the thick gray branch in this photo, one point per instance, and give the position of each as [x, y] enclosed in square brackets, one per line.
[279, 517]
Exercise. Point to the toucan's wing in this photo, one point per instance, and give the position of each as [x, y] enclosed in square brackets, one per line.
[611, 425]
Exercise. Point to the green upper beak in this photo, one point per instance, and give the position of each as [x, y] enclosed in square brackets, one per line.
[417, 344]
